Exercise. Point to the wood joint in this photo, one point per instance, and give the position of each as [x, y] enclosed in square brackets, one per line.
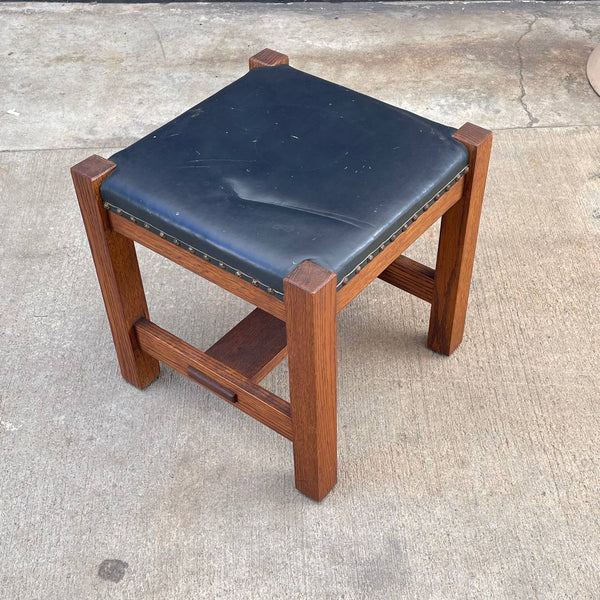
[211, 384]
[224, 279]
[391, 252]
[218, 377]
[411, 276]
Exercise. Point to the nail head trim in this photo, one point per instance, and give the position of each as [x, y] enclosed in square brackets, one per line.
[343, 281]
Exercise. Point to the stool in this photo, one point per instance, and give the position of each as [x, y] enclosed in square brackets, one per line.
[294, 194]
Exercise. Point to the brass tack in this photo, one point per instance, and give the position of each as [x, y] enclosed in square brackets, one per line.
[147, 225]
[119, 211]
[270, 290]
[415, 217]
[106, 205]
[162, 234]
[191, 249]
[205, 256]
[254, 282]
[358, 268]
[132, 219]
[404, 227]
[394, 236]
[344, 281]
[176, 242]
[238, 273]
[370, 257]
[221, 264]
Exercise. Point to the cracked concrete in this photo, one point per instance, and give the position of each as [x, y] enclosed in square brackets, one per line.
[469, 477]
[139, 75]
[532, 119]
[158, 38]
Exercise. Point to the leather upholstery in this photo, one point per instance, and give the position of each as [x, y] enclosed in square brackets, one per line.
[281, 167]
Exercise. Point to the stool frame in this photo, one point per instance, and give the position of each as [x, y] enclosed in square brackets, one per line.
[302, 326]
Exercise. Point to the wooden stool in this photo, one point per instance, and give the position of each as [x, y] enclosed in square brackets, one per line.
[294, 194]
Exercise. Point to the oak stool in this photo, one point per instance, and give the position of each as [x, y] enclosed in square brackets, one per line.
[294, 194]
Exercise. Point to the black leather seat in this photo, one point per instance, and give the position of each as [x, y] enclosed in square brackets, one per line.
[280, 167]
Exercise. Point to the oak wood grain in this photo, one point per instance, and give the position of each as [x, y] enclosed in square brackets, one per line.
[211, 384]
[310, 300]
[410, 276]
[253, 399]
[456, 249]
[380, 262]
[268, 58]
[118, 272]
[254, 346]
[224, 279]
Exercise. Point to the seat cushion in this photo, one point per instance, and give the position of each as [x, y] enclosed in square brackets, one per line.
[282, 167]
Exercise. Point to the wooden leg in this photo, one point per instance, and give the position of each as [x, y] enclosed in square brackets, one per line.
[456, 250]
[118, 272]
[310, 299]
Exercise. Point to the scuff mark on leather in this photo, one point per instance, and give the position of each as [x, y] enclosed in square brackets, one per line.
[311, 211]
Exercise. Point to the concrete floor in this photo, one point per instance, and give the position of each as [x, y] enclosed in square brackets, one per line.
[475, 476]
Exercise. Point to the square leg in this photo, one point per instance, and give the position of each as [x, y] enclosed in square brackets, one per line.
[118, 272]
[310, 299]
[456, 250]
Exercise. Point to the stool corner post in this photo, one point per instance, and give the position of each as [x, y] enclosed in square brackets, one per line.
[93, 168]
[473, 136]
[118, 272]
[456, 248]
[310, 299]
[268, 58]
